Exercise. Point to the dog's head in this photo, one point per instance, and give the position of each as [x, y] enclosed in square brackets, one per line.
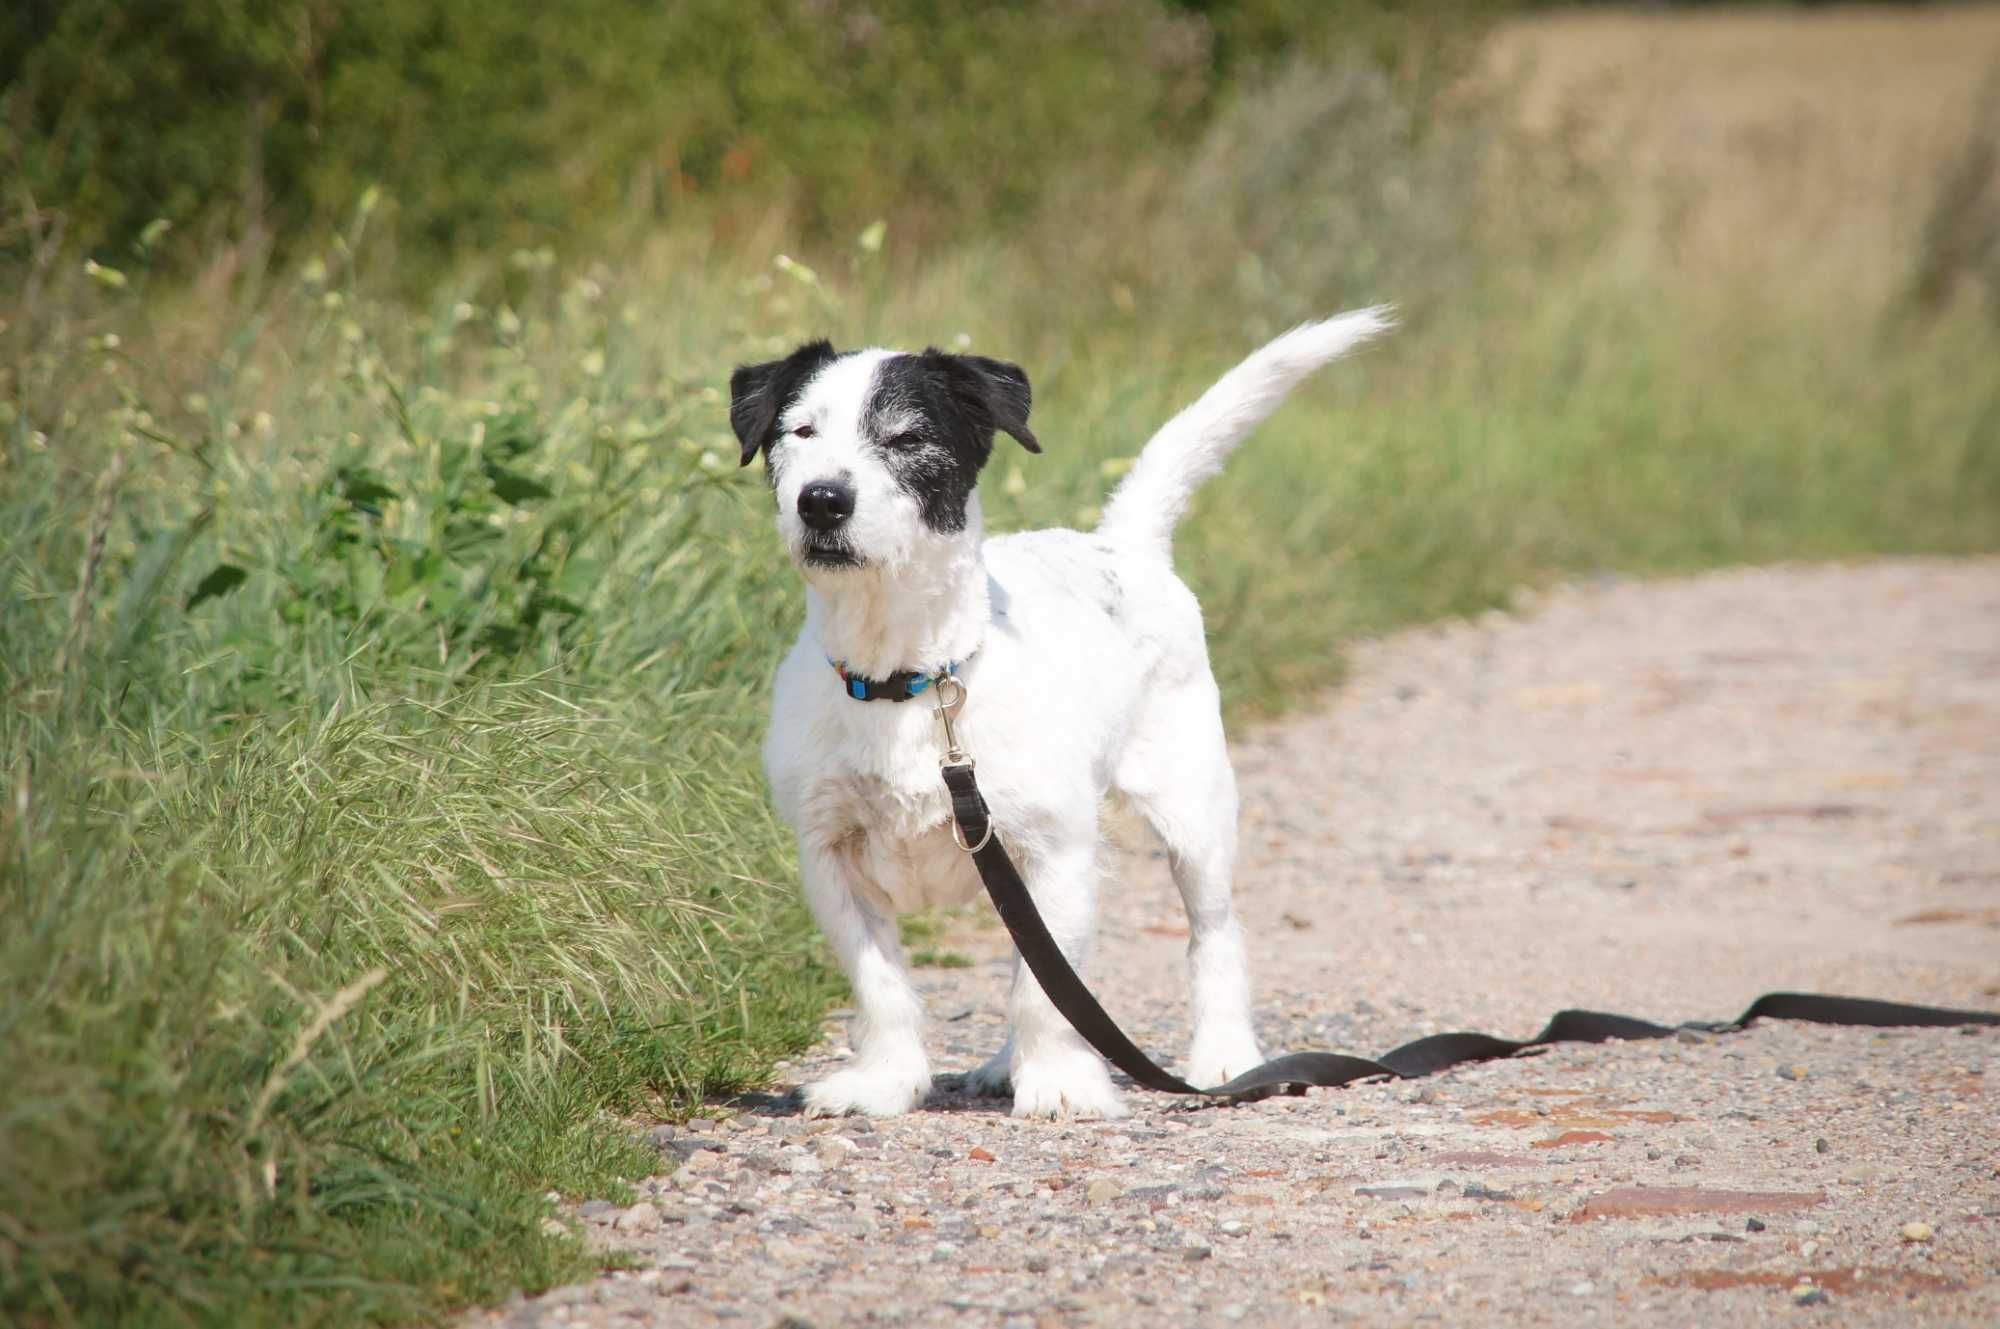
[874, 454]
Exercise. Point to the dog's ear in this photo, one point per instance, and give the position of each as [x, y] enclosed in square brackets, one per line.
[757, 393]
[996, 393]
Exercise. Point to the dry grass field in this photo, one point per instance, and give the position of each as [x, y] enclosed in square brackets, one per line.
[1802, 144]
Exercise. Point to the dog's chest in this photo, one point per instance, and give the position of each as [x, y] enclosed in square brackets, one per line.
[899, 838]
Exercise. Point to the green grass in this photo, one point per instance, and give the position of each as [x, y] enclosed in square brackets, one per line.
[351, 906]
[355, 896]
[928, 958]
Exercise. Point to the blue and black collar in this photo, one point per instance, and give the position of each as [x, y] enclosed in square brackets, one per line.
[899, 686]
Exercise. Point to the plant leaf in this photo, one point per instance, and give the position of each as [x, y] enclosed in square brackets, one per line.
[514, 487]
[512, 434]
[149, 571]
[362, 487]
[221, 580]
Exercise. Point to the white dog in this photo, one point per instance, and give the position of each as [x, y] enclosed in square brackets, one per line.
[1084, 668]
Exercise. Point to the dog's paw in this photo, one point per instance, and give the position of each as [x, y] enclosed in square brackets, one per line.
[994, 1078]
[868, 1092]
[1218, 1059]
[1073, 1084]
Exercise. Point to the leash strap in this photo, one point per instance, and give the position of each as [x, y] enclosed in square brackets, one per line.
[1296, 1071]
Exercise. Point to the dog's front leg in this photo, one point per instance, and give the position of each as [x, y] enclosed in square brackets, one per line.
[890, 1073]
[1054, 1072]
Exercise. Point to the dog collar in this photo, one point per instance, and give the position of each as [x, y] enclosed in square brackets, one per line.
[899, 686]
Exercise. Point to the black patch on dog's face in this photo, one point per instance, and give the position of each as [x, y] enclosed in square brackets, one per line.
[759, 395]
[933, 416]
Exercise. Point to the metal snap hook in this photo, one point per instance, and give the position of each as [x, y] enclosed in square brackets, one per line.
[951, 695]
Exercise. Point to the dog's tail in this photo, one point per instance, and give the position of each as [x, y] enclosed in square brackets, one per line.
[1192, 446]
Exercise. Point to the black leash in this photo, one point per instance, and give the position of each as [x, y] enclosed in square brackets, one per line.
[972, 826]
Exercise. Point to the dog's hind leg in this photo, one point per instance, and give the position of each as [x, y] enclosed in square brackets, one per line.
[890, 1073]
[1054, 1072]
[1176, 773]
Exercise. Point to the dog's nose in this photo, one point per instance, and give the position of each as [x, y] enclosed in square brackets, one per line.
[825, 504]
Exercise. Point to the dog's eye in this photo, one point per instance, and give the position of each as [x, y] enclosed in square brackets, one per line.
[803, 431]
[909, 438]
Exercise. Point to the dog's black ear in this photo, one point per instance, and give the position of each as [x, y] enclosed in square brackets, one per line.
[996, 392]
[759, 393]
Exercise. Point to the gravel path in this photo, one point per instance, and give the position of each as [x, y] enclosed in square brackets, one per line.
[1659, 798]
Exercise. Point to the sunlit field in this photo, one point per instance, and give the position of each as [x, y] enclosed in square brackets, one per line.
[1803, 147]
[385, 643]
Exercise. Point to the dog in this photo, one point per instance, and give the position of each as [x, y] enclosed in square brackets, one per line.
[1083, 669]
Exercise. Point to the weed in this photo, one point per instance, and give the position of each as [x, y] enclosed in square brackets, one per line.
[928, 958]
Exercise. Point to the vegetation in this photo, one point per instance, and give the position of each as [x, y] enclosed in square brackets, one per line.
[383, 671]
[510, 122]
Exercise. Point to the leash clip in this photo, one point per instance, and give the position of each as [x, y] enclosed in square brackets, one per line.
[955, 756]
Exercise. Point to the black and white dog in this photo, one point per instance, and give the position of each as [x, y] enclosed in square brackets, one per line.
[1084, 668]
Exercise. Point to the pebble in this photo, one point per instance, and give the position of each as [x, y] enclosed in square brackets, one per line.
[834, 1150]
[1916, 1232]
[1805, 1294]
[641, 1217]
[1793, 1072]
[1103, 1190]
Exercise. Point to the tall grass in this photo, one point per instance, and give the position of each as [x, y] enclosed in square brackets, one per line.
[382, 822]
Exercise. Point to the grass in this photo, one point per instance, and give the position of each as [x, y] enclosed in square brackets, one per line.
[927, 958]
[382, 685]
[1796, 147]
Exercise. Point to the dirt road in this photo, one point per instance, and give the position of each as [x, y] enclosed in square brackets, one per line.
[1657, 798]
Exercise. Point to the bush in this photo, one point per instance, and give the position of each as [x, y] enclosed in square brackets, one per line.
[508, 122]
